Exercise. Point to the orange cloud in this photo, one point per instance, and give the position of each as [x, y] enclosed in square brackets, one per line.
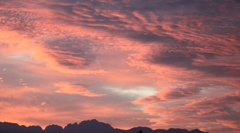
[66, 87]
[67, 58]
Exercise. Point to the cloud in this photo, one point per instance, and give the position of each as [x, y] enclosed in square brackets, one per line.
[215, 111]
[186, 60]
[232, 98]
[43, 103]
[61, 108]
[183, 49]
[69, 88]
[132, 92]
[169, 94]
[71, 52]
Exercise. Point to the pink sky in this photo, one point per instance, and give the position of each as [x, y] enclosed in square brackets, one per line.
[162, 64]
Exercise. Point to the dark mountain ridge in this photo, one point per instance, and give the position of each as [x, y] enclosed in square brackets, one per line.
[88, 126]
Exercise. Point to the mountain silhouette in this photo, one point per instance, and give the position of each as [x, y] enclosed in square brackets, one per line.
[140, 131]
[53, 129]
[88, 126]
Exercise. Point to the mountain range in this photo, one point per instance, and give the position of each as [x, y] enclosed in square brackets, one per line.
[88, 126]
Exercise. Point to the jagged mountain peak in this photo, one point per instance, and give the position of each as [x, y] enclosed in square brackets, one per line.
[87, 126]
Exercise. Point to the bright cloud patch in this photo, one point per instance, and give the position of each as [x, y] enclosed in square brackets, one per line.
[138, 91]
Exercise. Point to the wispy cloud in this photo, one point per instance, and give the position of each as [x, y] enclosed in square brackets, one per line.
[68, 88]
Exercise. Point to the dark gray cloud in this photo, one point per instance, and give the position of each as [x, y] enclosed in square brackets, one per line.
[149, 37]
[182, 92]
[186, 60]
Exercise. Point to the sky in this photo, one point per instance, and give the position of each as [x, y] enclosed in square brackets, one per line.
[155, 63]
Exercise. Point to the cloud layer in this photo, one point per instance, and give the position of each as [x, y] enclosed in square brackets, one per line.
[139, 63]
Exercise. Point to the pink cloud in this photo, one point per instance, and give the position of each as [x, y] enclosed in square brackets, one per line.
[215, 111]
[68, 88]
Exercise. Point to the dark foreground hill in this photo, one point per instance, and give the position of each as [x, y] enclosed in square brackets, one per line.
[89, 126]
